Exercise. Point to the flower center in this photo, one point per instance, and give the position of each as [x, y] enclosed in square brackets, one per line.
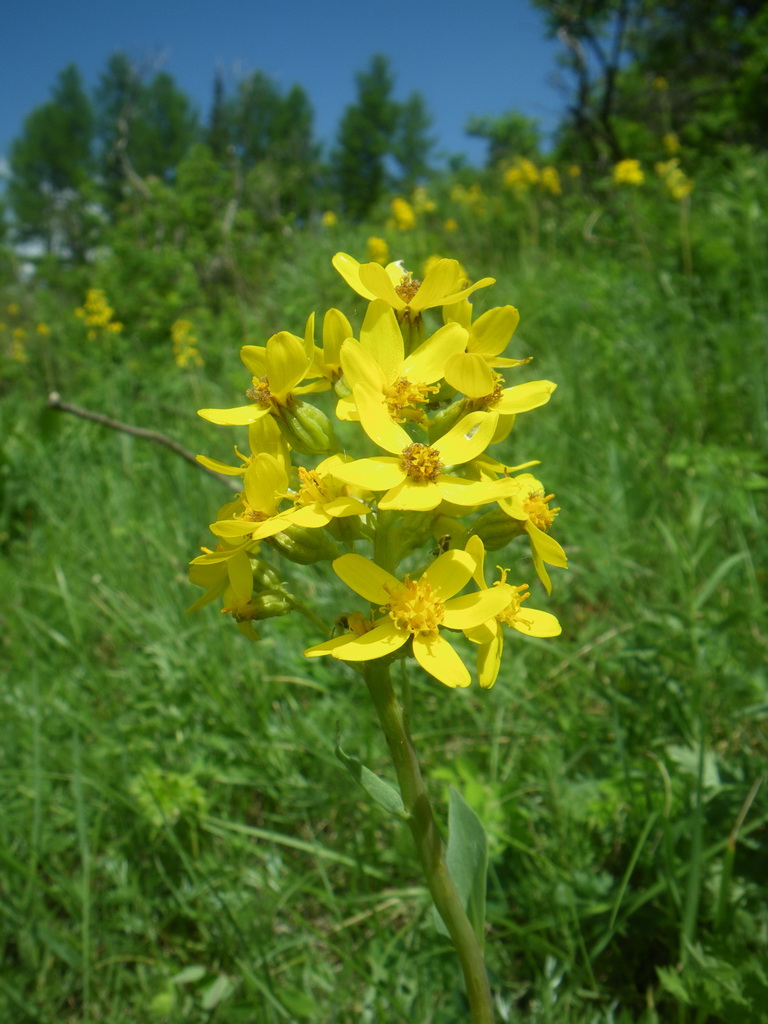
[408, 287]
[489, 400]
[403, 395]
[312, 490]
[414, 607]
[421, 462]
[260, 391]
[519, 594]
[538, 511]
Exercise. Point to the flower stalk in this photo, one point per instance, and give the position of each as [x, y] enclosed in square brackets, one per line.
[427, 839]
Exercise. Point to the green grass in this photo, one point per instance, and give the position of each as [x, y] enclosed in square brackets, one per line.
[179, 842]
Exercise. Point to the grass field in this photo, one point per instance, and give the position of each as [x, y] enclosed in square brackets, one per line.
[179, 842]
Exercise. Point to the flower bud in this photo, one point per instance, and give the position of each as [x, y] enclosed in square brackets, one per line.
[304, 545]
[264, 606]
[307, 429]
[264, 576]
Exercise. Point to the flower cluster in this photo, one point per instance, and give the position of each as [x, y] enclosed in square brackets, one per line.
[418, 414]
[97, 315]
[184, 344]
[628, 172]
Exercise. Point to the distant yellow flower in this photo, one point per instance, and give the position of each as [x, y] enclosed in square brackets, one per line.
[184, 341]
[573, 171]
[43, 330]
[421, 201]
[378, 250]
[330, 220]
[450, 225]
[442, 285]
[402, 212]
[413, 610]
[13, 309]
[550, 181]
[489, 635]
[628, 172]
[678, 184]
[671, 143]
[660, 84]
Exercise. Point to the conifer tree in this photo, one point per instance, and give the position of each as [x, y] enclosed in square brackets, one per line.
[49, 190]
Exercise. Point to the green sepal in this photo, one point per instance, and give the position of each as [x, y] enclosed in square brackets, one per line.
[381, 791]
[304, 545]
[307, 429]
[496, 529]
[466, 857]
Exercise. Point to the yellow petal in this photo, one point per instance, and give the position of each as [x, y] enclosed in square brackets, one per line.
[255, 359]
[232, 528]
[336, 328]
[378, 473]
[524, 397]
[237, 417]
[450, 573]
[436, 656]
[467, 438]
[427, 363]
[366, 578]
[547, 547]
[476, 549]
[376, 421]
[491, 332]
[381, 338]
[265, 482]
[473, 609]
[376, 280]
[442, 278]
[377, 643]
[533, 622]
[489, 661]
[470, 374]
[469, 492]
[411, 495]
[286, 363]
[221, 467]
[345, 506]
[360, 366]
[349, 269]
[240, 576]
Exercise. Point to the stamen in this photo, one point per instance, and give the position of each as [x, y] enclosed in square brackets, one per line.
[403, 395]
[538, 511]
[421, 462]
[415, 608]
[519, 594]
[408, 287]
[312, 490]
[260, 391]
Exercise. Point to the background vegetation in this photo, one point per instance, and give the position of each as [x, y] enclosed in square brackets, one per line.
[179, 842]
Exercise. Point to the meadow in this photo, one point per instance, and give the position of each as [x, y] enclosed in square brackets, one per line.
[179, 840]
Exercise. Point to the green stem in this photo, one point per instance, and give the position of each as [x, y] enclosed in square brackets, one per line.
[428, 842]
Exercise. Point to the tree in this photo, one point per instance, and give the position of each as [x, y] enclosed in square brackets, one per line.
[509, 135]
[49, 190]
[411, 144]
[144, 127]
[641, 69]
[365, 138]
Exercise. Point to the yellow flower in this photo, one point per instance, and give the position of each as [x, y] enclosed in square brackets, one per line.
[660, 83]
[443, 284]
[330, 220]
[671, 143]
[413, 610]
[277, 370]
[378, 250]
[678, 184]
[628, 172]
[489, 635]
[256, 514]
[43, 330]
[402, 211]
[450, 225]
[263, 436]
[550, 181]
[413, 475]
[13, 309]
[379, 360]
[530, 506]
[574, 171]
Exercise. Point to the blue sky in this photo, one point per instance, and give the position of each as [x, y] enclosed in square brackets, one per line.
[465, 57]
